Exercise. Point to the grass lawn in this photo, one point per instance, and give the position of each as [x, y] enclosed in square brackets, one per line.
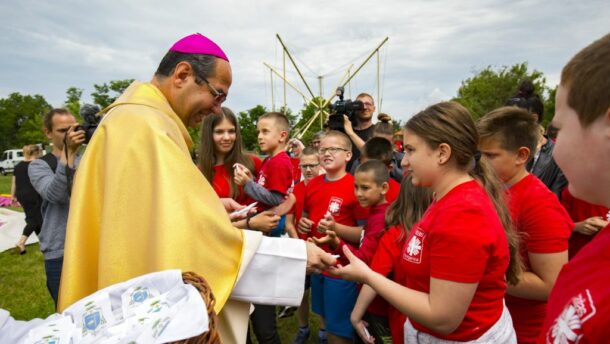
[24, 294]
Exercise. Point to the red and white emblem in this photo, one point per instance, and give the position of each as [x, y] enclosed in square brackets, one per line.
[413, 250]
[261, 180]
[567, 328]
[334, 206]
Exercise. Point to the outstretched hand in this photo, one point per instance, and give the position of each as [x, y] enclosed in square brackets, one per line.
[356, 271]
[317, 259]
[326, 224]
[329, 239]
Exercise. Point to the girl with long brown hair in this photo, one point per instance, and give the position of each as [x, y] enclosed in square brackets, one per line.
[461, 254]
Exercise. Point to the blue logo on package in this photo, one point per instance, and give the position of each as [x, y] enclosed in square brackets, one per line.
[93, 321]
[139, 295]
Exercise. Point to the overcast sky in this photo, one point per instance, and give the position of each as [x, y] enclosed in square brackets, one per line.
[48, 46]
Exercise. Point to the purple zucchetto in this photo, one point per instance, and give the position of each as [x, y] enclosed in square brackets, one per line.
[198, 44]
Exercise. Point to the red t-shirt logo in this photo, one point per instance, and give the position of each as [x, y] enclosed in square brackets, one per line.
[261, 180]
[567, 328]
[415, 246]
[334, 206]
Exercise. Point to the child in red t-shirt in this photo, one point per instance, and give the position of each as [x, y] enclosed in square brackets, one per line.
[330, 204]
[578, 309]
[310, 165]
[272, 185]
[219, 150]
[588, 219]
[274, 180]
[401, 215]
[508, 138]
[458, 258]
[371, 186]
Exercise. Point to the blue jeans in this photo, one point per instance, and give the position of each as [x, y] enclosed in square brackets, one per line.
[52, 268]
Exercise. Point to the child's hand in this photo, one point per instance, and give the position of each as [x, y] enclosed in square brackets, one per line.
[360, 327]
[241, 174]
[305, 225]
[326, 224]
[330, 238]
[356, 271]
[265, 221]
[591, 225]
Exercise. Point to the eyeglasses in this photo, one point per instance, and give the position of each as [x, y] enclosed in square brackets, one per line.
[367, 104]
[331, 150]
[219, 96]
[307, 167]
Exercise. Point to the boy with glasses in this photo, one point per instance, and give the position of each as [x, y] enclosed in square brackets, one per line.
[330, 204]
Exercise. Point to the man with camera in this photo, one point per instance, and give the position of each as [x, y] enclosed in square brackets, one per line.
[364, 125]
[49, 175]
[139, 204]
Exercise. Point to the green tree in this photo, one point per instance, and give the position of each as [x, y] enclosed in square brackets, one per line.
[309, 110]
[102, 96]
[72, 103]
[549, 105]
[247, 124]
[490, 88]
[21, 120]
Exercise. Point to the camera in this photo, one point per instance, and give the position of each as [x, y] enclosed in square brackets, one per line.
[90, 120]
[343, 107]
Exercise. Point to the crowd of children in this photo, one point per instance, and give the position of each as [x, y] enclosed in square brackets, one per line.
[466, 248]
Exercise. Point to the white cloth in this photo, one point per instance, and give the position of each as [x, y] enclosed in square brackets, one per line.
[502, 332]
[11, 228]
[153, 308]
[276, 273]
[272, 272]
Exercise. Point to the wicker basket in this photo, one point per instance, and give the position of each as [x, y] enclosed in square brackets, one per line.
[212, 336]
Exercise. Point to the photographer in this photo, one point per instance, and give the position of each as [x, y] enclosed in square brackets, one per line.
[364, 125]
[49, 176]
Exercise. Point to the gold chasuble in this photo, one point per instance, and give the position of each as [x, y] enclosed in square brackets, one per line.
[139, 204]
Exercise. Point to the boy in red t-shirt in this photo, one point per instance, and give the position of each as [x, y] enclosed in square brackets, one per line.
[309, 164]
[579, 306]
[330, 204]
[274, 180]
[271, 187]
[508, 137]
[371, 187]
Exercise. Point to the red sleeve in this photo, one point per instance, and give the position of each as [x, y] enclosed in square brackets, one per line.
[547, 224]
[460, 241]
[387, 251]
[372, 233]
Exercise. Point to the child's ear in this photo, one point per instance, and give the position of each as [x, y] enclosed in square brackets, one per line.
[283, 136]
[444, 153]
[348, 155]
[523, 155]
[385, 187]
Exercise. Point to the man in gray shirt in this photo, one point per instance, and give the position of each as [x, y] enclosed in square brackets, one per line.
[49, 176]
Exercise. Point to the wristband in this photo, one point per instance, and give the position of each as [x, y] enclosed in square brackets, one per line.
[248, 221]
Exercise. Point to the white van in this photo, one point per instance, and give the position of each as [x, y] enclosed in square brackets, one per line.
[10, 158]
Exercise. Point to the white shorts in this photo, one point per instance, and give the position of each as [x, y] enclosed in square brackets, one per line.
[502, 332]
